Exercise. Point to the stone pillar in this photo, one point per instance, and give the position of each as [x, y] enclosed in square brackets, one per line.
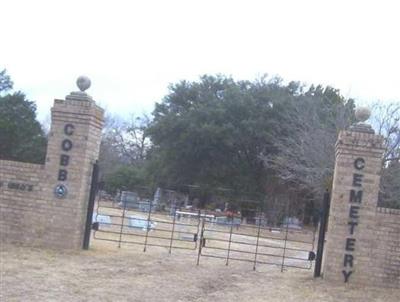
[73, 147]
[351, 227]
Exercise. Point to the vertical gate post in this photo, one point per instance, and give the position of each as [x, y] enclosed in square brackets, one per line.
[321, 234]
[230, 243]
[148, 226]
[122, 218]
[92, 197]
[258, 240]
[172, 233]
[202, 239]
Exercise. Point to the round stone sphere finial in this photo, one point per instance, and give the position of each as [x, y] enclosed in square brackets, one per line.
[362, 114]
[83, 83]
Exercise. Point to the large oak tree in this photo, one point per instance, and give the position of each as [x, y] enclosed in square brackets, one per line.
[245, 135]
[21, 135]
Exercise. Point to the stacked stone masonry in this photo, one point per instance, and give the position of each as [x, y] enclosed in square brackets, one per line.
[363, 245]
[386, 253]
[30, 212]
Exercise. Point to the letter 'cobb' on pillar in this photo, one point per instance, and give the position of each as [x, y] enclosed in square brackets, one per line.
[73, 147]
[46, 205]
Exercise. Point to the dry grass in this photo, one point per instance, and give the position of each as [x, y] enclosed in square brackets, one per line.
[106, 273]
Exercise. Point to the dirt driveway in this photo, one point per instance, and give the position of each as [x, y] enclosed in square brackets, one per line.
[106, 273]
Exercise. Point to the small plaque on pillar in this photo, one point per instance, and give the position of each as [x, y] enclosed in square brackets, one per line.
[60, 191]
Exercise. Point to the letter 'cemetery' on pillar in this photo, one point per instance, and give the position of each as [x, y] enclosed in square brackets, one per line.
[356, 252]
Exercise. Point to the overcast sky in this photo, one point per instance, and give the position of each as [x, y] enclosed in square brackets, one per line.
[132, 50]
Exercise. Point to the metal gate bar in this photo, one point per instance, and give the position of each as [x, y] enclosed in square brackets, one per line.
[176, 231]
[210, 233]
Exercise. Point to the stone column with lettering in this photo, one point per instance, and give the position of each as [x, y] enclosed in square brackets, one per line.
[350, 236]
[73, 147]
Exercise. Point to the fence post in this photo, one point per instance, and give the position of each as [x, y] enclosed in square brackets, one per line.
[284, 246]
[230, 241]
[321, 234]
[89, 215]
[123, 220]
[201, 239]
[148, 226]
[258, 240]
[172, 233]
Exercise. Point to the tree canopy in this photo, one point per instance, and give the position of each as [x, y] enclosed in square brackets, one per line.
[5, 81]
[21, 135]
[386, 121]
[123, 152]
[264, 139]
[219, 132]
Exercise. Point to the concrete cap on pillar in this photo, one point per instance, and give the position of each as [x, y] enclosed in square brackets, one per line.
[362, 114]
[83, 83]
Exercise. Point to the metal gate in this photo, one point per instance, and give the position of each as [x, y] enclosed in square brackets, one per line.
[231, 239]
[258, 244]
[146, 227]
